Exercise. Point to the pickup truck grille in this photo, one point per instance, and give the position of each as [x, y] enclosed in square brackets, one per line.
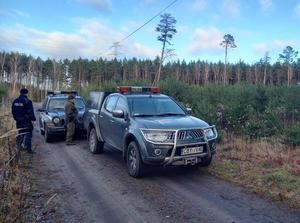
[191, 134]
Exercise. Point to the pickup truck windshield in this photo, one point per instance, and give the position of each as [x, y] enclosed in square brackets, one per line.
[59, 103]
[154, 106]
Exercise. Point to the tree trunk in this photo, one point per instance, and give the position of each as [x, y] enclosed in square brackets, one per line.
[54, 78]
[225, 68]
[206, 73]
[15, 72]
[3, 56]
[238, 74]
[265, 74]
[157, 78]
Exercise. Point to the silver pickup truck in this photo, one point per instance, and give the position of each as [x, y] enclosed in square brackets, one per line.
[149, 128]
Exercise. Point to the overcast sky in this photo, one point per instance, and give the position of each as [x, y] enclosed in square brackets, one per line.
[87, 28]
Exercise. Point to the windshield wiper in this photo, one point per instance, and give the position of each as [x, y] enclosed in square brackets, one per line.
[57, 108]
[143, 115]
[169, 114]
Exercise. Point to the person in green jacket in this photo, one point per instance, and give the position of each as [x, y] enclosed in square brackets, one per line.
[71, 113]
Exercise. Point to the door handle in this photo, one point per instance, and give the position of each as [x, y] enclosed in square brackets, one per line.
[112, 121]
[101, 116]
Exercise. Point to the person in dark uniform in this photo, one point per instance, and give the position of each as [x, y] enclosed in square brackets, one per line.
[71, 113]
[23, 114]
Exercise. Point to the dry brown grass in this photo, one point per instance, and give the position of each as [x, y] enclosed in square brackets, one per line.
[266, 167]
[14, 178]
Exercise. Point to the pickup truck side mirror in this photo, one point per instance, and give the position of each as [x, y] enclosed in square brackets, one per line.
[118, 113]
[189, 111]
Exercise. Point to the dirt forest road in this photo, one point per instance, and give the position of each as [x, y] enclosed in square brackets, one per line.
[97, 188]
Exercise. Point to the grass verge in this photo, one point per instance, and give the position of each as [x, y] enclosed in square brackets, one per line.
[265, 167]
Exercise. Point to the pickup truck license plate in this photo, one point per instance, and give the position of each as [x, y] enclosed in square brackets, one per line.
[191, 150]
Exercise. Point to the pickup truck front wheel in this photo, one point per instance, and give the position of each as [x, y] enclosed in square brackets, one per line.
[94, 145]
[206, 161]
[134, 162]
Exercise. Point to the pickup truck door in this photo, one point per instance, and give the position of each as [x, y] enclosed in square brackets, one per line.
[106, 119]
[119, 125]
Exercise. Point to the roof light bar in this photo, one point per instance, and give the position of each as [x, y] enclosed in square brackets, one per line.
[51, 93]
[137, 89]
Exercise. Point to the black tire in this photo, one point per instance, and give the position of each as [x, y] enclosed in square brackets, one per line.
[41, 130]
[95, 146]
[47, 135]
[206, 161]
[135, 165]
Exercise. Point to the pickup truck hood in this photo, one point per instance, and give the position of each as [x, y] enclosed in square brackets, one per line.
[170, 122]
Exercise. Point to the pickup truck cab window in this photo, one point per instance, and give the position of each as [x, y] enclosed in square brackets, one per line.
[93, 100]
[121, 105]
[111, 103]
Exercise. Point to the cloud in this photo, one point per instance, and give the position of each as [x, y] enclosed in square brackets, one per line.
[14, 13]
[231, 8]
[297, 10]
[266, 5]
[101, 5]
[199, 5]
[139, 50]
[91, 38]
[207, 40]
[275, 45]
[56, 44]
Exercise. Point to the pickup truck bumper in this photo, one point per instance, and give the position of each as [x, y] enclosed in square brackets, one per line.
[173, 155]
[178, 160]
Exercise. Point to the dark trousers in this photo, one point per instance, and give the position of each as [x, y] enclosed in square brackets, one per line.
[24, 136]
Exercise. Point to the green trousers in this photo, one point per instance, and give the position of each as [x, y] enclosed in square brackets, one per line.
[70, 131]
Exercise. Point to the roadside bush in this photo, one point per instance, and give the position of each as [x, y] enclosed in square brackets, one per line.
[3, 89]
[291, 136]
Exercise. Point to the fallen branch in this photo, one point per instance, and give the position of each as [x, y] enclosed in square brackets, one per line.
[50, 199]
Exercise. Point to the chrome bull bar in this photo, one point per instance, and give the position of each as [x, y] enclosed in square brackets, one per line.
[173, 158]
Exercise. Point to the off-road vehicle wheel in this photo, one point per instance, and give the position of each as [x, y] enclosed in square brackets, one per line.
[135, 166]
[47, 135]
[95, 145]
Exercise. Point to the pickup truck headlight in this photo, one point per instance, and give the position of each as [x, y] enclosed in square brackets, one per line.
[209, 133]
[56, 120]
[158, 136]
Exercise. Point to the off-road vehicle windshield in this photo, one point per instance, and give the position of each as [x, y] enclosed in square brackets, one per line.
[59, 103]
[154, 106]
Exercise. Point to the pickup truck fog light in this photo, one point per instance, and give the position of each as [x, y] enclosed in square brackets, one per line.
[157, 152]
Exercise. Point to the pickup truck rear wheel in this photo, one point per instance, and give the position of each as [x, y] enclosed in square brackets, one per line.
[135, 165]
[95, 145]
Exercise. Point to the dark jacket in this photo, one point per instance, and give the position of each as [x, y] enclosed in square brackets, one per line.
[22, 110]
[71, 111]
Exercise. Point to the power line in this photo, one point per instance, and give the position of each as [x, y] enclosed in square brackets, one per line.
[116, 45]
[168, 6]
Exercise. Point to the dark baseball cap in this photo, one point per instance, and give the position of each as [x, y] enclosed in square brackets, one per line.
[23, 91]
[71, 96]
